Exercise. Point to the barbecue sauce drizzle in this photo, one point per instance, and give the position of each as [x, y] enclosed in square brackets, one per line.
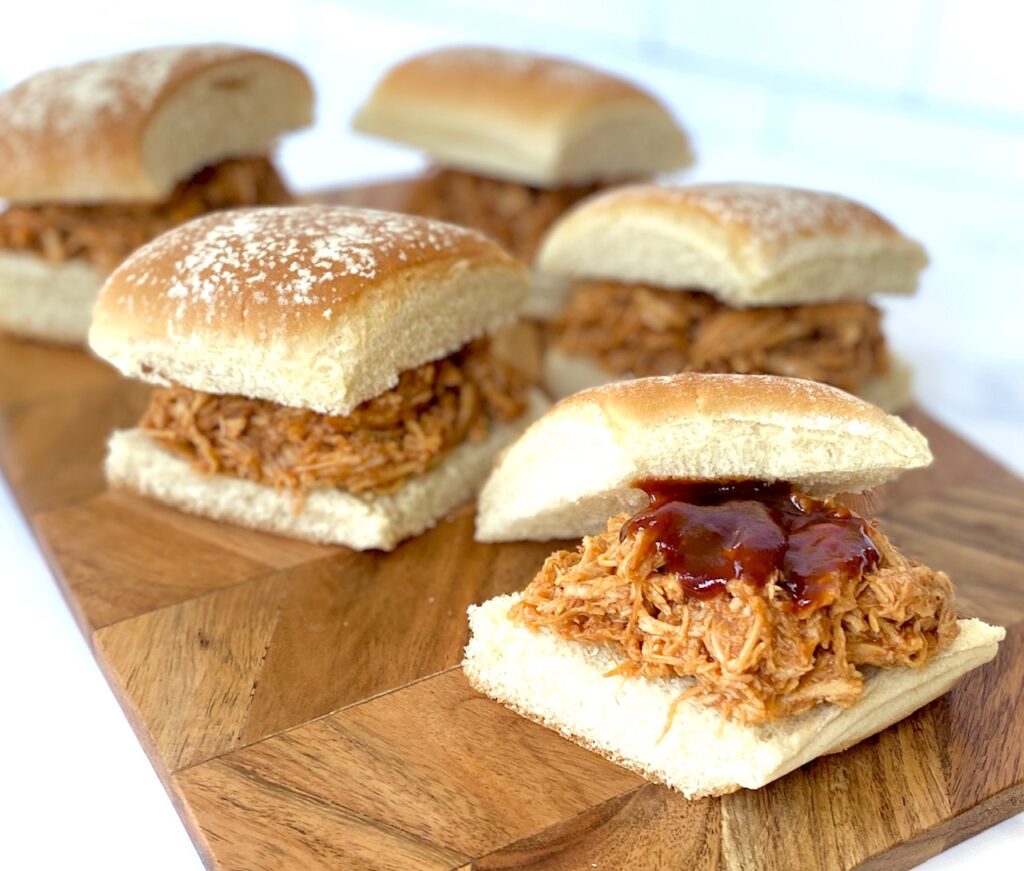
[715, 531]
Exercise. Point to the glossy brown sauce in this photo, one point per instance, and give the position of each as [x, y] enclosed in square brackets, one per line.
[712, 532]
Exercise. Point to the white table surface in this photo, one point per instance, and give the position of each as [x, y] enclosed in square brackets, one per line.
[77, 789]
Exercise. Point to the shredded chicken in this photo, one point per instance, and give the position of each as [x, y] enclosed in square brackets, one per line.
[513, 214]
[375, 449]
[640, 331]
[104, 235]
[748, 653]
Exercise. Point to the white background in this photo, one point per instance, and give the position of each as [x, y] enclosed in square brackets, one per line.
[916, 107]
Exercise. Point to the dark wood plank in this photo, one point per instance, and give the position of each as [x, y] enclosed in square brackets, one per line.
[52, 451]
[121, 556]
[439, 761]
[32, 372]
[975, 533]
[649, 829]
[893, 789]
[311, 639]
[250, 823]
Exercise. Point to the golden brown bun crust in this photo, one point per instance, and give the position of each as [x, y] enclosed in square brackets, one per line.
[77, 133]
[525, 117]
[695, 395]
[309, 265]
[538, 87]
[579, 463]
[748, 244]
[317, 306]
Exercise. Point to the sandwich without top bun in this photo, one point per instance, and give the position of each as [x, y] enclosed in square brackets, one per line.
[97, 158]
[533, 119]
[556, 482]
[631, 646]
[318, 308]
[565, 686]
[129, 127]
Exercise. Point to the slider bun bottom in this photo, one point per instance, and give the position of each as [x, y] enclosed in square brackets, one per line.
[561, 684]
[48, 301]
[565, 374]
[329, 515]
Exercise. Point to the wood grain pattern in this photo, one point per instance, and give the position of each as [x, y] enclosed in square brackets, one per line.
[304, 707]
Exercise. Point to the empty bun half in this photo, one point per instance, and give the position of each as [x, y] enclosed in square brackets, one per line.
[746, 244]
[328, 515]
[564, 685]
[563, 374]
[530, 118]
[578, 464]
[130, 127]
[320, 307]
[48, 301]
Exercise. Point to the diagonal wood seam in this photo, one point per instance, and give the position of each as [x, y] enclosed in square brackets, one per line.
[221, 758]
[271, 787]
[979, 816]
[252, 579]
[317, 718]
[258, 673]
[625, 795]
[261, 781]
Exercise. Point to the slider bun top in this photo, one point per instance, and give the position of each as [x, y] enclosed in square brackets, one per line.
[538, 120]
[314, 306]
[747, 244]
[576, 465]
[130, 127]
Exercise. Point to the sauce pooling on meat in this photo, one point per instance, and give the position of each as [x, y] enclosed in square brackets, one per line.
[709, 533]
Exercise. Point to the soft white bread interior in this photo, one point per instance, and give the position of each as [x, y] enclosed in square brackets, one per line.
[538, 120]
[314, 306]
[328, 515]
[44, 300]
[564, 374]
[562, 685]
[129, 127]
[747, 244]
[579, 463]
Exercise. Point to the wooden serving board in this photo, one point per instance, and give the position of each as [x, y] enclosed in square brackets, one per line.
[304, 705]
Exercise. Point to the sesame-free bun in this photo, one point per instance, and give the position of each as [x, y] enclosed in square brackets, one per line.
[564, 685]
[328, 515]
[538, 120]
[746, 244]
[314, 306]
[130, 127]
[578, 465]
[563, 374]
[47, 301]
